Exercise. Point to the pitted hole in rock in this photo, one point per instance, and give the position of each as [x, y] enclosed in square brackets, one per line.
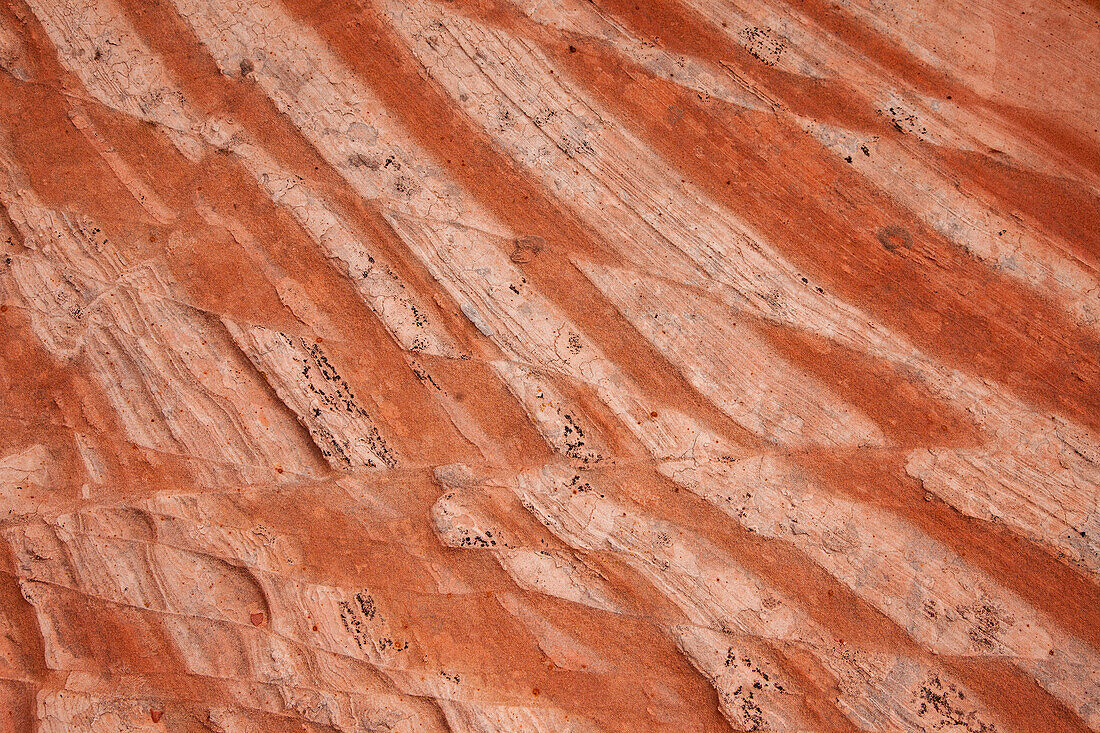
[895, 237]
[527, 248]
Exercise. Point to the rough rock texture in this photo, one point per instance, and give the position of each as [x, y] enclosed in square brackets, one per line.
[549, 365]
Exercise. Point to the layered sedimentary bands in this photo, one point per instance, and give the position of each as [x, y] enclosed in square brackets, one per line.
[562, 365]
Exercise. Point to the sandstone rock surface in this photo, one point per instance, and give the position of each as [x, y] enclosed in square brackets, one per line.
[574, 365]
